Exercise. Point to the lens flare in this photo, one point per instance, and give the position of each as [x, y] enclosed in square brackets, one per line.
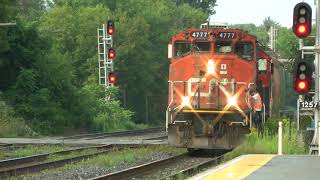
[232, 101]
[185, 101]
[210, 66]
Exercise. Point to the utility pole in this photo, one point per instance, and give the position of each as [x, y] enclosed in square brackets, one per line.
[273, 34]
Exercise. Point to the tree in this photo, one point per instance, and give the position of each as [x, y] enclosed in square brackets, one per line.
[258, 31]
[206, 5]
[268, 22]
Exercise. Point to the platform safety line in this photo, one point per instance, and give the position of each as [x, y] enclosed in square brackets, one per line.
[218, 168]
[238, 168]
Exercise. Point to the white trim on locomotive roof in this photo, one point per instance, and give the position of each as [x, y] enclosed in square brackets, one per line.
[214, 25]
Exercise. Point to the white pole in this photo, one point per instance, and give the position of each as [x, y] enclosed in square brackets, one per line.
[318, 138]
[280, 138]
[317, 68]
[8, 24]
[298, 114]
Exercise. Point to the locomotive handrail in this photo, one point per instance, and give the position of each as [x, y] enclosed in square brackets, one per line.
[264, 113]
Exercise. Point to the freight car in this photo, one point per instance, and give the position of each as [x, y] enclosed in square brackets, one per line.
[212, 68]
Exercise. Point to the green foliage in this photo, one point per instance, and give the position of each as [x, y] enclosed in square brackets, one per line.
[48, 62]
[10, 124]
[267, 143]
[259, 31]
[206, 5]
[287, 43]
[268, 23]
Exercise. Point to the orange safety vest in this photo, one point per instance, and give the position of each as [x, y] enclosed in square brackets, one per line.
[257, 105]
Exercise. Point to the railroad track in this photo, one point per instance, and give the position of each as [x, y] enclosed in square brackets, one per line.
[6, 146]
[175, 166]
[114, 134]
[36, 163]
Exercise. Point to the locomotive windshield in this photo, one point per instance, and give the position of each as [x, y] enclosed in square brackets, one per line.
[182, 48]
[201, 46]
[223, 47]
[244, 50]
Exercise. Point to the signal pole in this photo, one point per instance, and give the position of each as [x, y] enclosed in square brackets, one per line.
[315, 140]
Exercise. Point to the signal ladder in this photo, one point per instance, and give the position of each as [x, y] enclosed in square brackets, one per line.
[105, 64]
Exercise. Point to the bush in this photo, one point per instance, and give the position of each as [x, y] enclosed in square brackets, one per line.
[110, 115]
[11, 126]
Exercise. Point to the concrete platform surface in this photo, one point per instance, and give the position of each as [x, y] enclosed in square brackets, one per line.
[266, 167]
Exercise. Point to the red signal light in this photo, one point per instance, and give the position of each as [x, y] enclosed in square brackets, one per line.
[302, 28]
[302, 85]
[110, 31]
[111, 54]
[112, 78]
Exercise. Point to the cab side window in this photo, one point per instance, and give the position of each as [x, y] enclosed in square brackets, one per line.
[182, 48]
[244, 50]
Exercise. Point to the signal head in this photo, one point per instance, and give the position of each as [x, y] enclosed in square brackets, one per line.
[112, 78]
[302, 77]
[111, 54]
[110, 27]
[302, 20]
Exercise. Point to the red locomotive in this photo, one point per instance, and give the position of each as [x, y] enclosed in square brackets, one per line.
[211, 71]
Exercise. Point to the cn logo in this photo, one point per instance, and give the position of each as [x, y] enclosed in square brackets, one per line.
[223, 67]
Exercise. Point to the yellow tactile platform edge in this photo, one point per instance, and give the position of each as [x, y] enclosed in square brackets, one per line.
[238, 169]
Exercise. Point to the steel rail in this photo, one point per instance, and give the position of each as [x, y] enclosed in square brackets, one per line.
[157, 138]
[196, 168]
[4, 145]
[44, 156]
[126, 133]
[29, 166]
[113, 134]
[141, 169]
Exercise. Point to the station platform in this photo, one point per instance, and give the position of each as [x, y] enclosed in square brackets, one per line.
[265, 166]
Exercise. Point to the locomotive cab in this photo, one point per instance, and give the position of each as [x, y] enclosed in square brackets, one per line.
[210, 73]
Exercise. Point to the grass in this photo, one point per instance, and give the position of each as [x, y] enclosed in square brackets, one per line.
[114, 158]
[267, 143]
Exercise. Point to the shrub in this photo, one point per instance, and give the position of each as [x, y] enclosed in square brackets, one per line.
[10, 125]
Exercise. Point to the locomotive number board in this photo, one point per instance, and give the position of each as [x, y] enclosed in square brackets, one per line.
[199, 34]
[309, 104]
[226, 35]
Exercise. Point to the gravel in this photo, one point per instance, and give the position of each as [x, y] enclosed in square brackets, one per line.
[90, 171]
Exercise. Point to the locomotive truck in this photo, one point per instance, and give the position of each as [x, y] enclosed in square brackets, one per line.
[212, 69]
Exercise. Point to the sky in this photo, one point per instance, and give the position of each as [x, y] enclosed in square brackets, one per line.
[255, 11]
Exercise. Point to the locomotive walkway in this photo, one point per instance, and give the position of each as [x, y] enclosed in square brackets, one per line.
[265, 166]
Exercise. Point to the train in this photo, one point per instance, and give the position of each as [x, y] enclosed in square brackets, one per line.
[212, 68]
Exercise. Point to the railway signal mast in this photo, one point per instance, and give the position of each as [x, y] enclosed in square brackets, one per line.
[302, 25]
[107, 55]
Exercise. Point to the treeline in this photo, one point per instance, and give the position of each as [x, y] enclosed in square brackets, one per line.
[48, 61]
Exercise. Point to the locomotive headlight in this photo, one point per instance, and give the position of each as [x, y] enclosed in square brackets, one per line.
[185, 101]
[210, 66]
[232, 101]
